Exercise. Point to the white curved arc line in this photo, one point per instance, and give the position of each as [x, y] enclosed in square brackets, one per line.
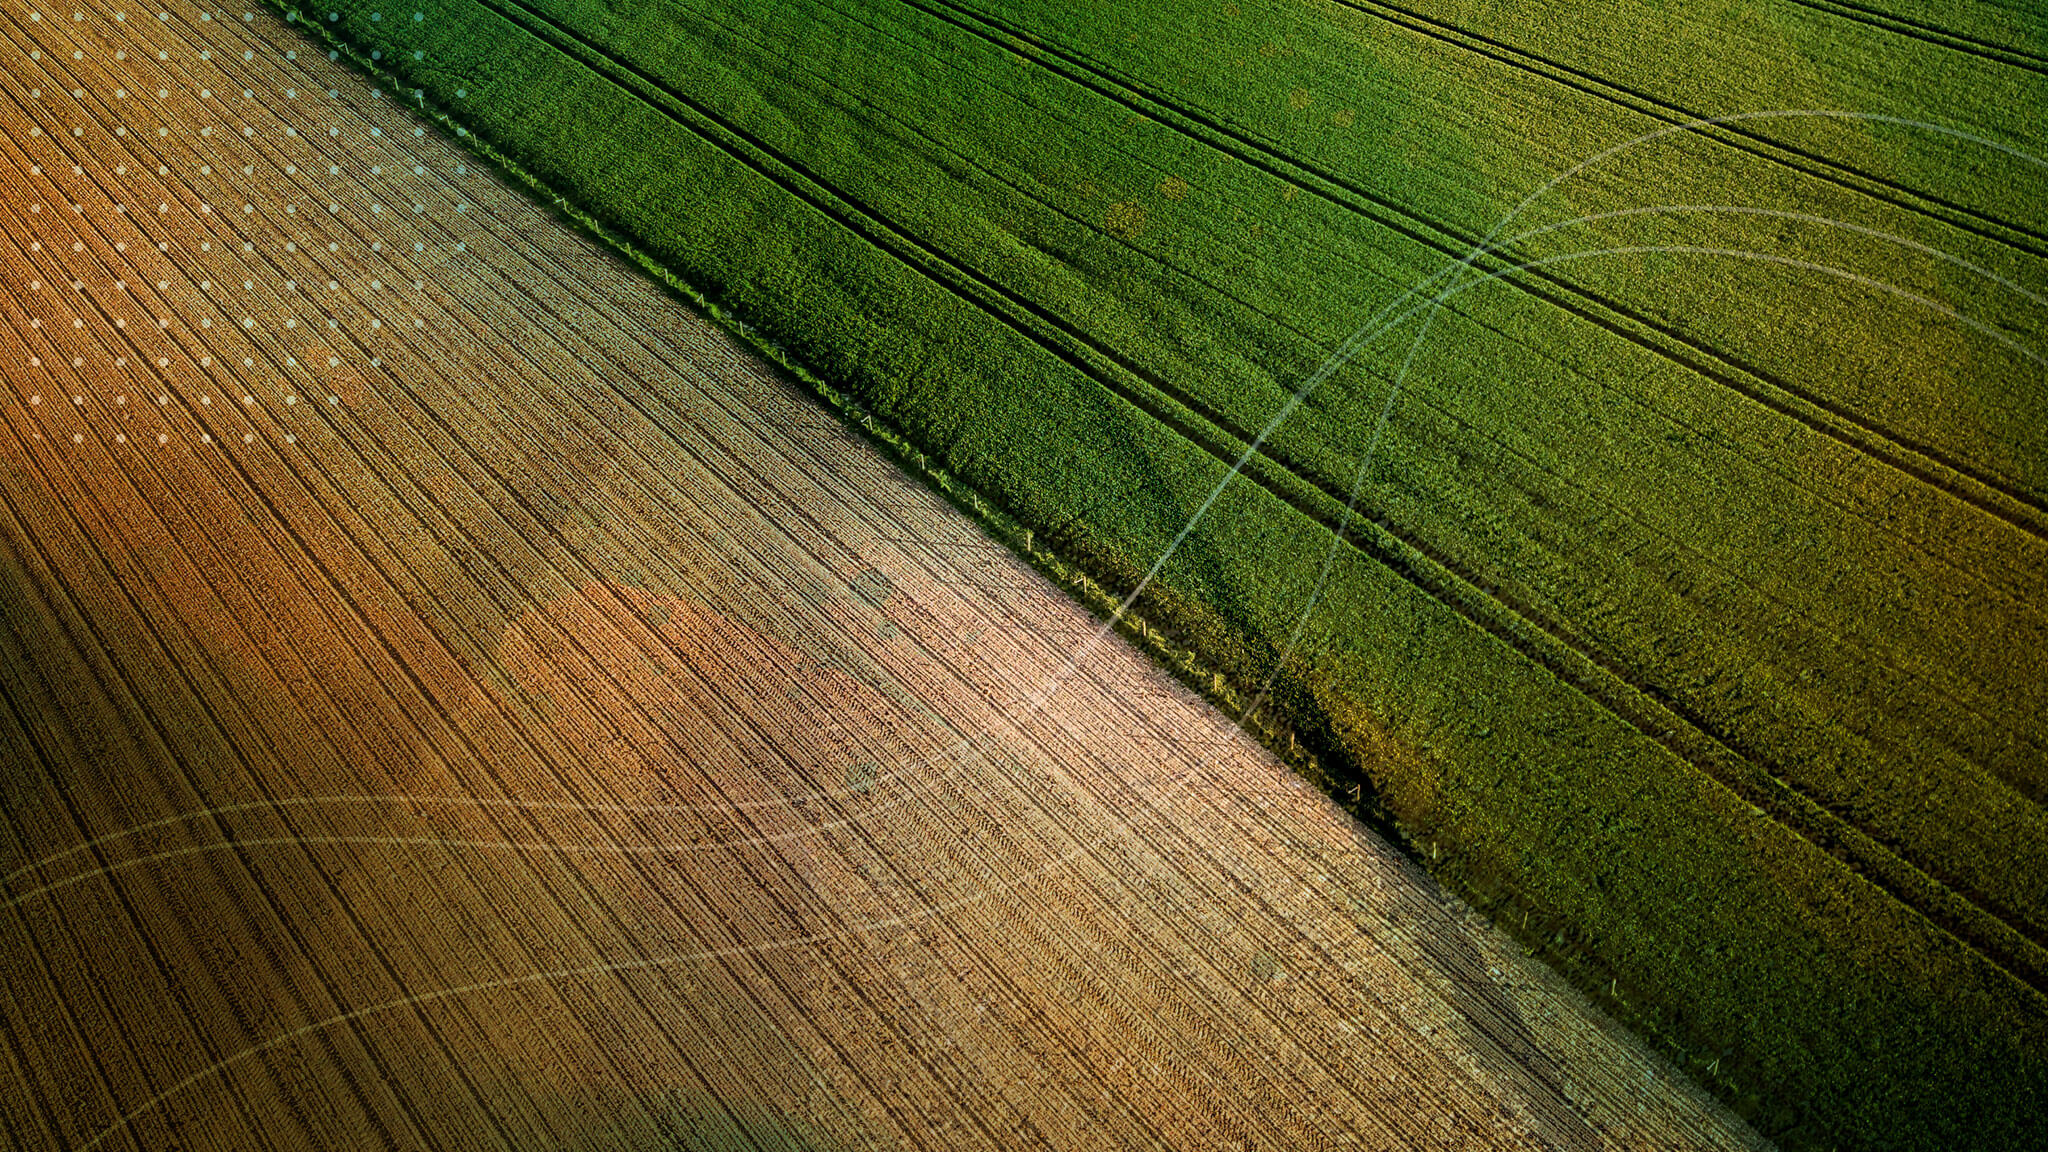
[1765, 114]
[1694, 249]
[1768, 258]
[360, 798]
[223, 1064]
[127, 1118]
[1347, 351]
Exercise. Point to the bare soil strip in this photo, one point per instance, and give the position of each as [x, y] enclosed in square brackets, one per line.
[454, 698]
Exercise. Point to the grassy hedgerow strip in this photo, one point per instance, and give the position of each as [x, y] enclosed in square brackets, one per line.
[1071, 309]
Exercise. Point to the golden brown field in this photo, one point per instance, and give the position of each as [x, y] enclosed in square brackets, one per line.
[451, 697]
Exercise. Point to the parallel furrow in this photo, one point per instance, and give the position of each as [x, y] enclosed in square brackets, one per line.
[1281, 322]
[154, 942]
[1838, 172]
[431, 500]
[340, 589]
[1929, 34]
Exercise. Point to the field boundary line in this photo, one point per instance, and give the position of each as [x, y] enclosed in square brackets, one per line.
[238, 844]
[1186, 664]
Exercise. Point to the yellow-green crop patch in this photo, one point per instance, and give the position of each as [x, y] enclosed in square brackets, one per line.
[1668, 571]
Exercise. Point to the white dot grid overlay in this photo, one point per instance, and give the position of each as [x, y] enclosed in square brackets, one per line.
[213, 234]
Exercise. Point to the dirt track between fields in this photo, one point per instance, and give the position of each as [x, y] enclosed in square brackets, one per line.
[454, 698]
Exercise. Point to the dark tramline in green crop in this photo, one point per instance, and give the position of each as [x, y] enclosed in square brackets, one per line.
[1690, 616]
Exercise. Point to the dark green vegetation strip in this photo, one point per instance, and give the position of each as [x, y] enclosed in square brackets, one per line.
[1692, 615]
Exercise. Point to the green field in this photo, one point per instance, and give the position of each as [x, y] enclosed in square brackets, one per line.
[1688, 609]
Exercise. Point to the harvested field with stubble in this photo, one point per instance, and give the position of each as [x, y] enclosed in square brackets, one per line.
[1618, 432]
[452, 697]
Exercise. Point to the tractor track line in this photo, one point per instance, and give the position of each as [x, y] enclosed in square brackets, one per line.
[1928, 33]
[1883, 189]
[1761, 145]
[1996, 497]
[1664, 722]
